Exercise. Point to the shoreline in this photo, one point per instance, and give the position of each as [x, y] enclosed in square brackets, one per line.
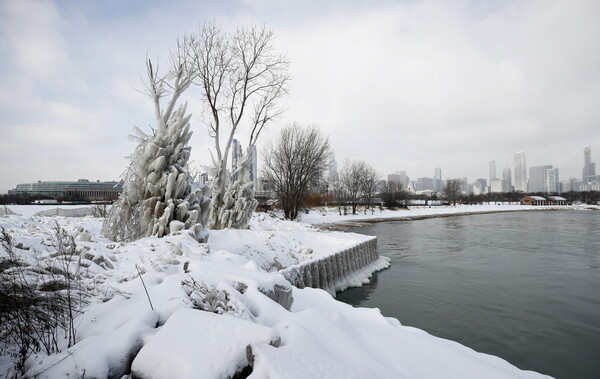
[358, 220]
[235, 267]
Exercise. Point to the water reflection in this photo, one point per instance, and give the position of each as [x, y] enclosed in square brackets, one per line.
[354, 296]
[523, 286]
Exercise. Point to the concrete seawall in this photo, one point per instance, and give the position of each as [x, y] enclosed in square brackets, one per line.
[346, 268]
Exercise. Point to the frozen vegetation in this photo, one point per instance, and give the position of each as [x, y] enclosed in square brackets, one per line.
[157, 194]
[173, 307]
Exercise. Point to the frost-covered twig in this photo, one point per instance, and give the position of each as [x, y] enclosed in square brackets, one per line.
[144, 284]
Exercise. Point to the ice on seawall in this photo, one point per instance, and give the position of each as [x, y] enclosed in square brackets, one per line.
[346, 268]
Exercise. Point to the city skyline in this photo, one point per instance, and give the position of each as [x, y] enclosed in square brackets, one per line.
[529, 179]
[408, 85]
[435, 181]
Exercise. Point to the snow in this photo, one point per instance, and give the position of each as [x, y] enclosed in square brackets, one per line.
[216, 349]
[213, 310]
[30, 210]
[323, 216]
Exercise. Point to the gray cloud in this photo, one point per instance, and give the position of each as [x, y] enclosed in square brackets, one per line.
[403, 85]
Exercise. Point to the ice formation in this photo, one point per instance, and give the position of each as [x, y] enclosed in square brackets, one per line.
[157, 195]
[340, 270]
[238, 202]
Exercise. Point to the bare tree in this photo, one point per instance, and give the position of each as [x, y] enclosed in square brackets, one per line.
[296, 159]
[452, 191]
[392, 193]
[241, 78]
[351, 180]
[368, 184]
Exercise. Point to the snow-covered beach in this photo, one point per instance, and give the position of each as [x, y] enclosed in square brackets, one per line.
[120, 333]
[325, 216]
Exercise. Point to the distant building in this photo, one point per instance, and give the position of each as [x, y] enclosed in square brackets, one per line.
[404, 179]
[393, 178]
[492, 171]
[204, 178]
[520, 172]
[332, 173]
[253, 166]
[571, 185]
[438, 185]
[236, 158]
[264, 185]
[479, 187]
[465, 187]
[82, 189]
[595, 186]
[424, 184]
[589, 167]
[497, 186]
[552, 181]
[543, 200]
[537, 178]
[399, 177]
[507, 179]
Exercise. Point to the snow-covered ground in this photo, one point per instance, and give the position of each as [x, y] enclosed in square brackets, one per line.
[318, 337]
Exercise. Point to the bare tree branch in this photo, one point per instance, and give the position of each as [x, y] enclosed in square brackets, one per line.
[242, 79]
[297, 159]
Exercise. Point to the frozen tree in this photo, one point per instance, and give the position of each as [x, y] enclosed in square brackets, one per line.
[241, 78]
[298, 157]
[238, 202]
[157, 195]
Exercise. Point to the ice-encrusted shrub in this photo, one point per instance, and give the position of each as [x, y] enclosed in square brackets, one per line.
[212, 299]
[238, 202]
[157, 194]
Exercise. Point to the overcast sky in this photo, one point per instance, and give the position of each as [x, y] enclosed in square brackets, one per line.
[403, 85]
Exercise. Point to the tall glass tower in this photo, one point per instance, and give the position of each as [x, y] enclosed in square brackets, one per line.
[520, 172]
[589, 167]
[493, 171]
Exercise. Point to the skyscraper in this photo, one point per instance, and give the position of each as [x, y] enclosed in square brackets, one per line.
[520, 172]
[464, 186]
[404, 179]
[537, 178]
[393, 178]
[493, 170]
[424, 184]
[589, 167]
[332, 174]
[507, 180]
[438, 185]
[253, 166]
[552, 180]
[236, 158]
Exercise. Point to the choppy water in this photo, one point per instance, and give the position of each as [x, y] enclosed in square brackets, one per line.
[524, 286]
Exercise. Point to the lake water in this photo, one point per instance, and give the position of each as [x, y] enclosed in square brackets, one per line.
[524, 286]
